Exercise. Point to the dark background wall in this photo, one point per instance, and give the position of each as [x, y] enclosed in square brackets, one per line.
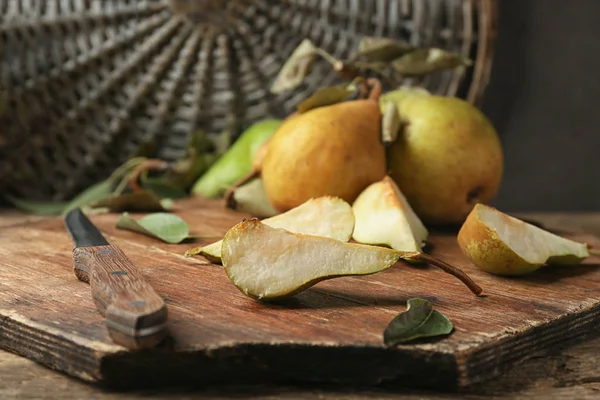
[544, 99]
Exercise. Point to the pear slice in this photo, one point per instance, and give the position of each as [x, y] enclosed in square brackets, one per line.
[326, 216]
[250, 198]
[269, 263]
[504, 245]
[384, 217]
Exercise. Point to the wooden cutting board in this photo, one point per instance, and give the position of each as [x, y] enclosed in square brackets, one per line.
[329, 333]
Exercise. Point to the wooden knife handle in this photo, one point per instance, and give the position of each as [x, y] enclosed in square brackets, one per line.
[136, 316]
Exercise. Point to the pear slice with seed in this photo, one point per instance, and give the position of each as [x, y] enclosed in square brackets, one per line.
[269, 263]
[504, 245]
[326, 216]
[384, 217]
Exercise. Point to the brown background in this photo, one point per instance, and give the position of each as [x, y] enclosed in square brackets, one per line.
[544, 98]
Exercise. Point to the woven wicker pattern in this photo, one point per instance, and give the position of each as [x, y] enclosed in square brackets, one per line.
[85, 83]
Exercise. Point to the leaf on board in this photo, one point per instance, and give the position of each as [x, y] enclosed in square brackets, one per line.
[167, 227]
[426, 61]
[37, 207]
[296, 68]
[419, 320]
[142, 201]
[93, 194]
[326, 96]
[162, 189]
[381, 49]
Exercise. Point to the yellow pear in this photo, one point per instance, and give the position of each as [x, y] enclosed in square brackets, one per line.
[384, 217]
[325, 216]
[504, 245]
[271, 263]
[447, 156]
[333, 150]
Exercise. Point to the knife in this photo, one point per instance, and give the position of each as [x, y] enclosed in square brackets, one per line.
[135, 315]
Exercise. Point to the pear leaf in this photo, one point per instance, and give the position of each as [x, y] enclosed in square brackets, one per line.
[326, 96]
[91, 195]
[390, 123]
[418, 321]
[296, 68]
[163, 226]
[161, 188]
[143, 201]
[380, 49]
[426, 61]
[37, 207]
[192, 164]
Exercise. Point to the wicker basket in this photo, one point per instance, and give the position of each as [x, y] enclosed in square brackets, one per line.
[84, 84]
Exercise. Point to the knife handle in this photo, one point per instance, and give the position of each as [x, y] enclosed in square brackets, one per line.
[136, 316]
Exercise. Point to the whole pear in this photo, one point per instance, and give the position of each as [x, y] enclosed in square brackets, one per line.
[447, 157]
[334, 150]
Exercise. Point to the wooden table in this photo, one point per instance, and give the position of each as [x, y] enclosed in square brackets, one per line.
[571, 372]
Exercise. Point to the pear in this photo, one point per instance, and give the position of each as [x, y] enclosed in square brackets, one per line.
[384, 217]
[269, 263]
[250, 198]
[323, 216]
[447, 156]
[333, 150]
[504, 245]
[236, 162]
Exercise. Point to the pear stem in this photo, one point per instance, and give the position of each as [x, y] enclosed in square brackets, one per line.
[376, 89]
[229, 200]
[452, 270]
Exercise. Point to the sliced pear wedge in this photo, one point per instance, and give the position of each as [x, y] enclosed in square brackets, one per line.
[269, 263]
[325, 216]
[384, 217]
[251, 198]
[504, 245]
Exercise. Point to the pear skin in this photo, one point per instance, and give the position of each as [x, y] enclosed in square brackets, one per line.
[236, 162]
[333, 150]
[447, 157]
[504, 245]
[384, 217]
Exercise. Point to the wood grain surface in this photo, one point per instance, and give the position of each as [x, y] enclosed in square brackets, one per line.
[53, 320]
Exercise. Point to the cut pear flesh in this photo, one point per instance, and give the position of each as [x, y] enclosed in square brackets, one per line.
[384, 217]
[325, 216]
[271, 263]
[505, 245]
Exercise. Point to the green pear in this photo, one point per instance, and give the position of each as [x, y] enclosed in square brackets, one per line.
[236, 163]
[447, 156]
[504, 245]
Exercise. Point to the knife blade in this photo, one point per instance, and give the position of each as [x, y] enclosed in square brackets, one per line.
[135, 315]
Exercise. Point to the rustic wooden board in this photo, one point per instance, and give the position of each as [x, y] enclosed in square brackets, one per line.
[329, 333]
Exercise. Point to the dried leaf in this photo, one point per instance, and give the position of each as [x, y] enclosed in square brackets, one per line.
[144, 201]
[426, 61]
[390, 123]
[296, 68]
[164, 226]
[326, 96]
[380, 49]
[37, 207]
[418, 321]
[91, 195]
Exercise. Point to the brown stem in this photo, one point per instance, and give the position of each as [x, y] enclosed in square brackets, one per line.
[147, 165]
[376, 89]
[229, 200]
[452, 270]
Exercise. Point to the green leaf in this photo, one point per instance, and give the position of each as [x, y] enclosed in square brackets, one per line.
[91, 195]
[161, 188]
[426, 61]
[164, 226]
[144, 201]
[379, 49]
[326, 96]
[418, 321]
[296, 68]
[37, 207]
